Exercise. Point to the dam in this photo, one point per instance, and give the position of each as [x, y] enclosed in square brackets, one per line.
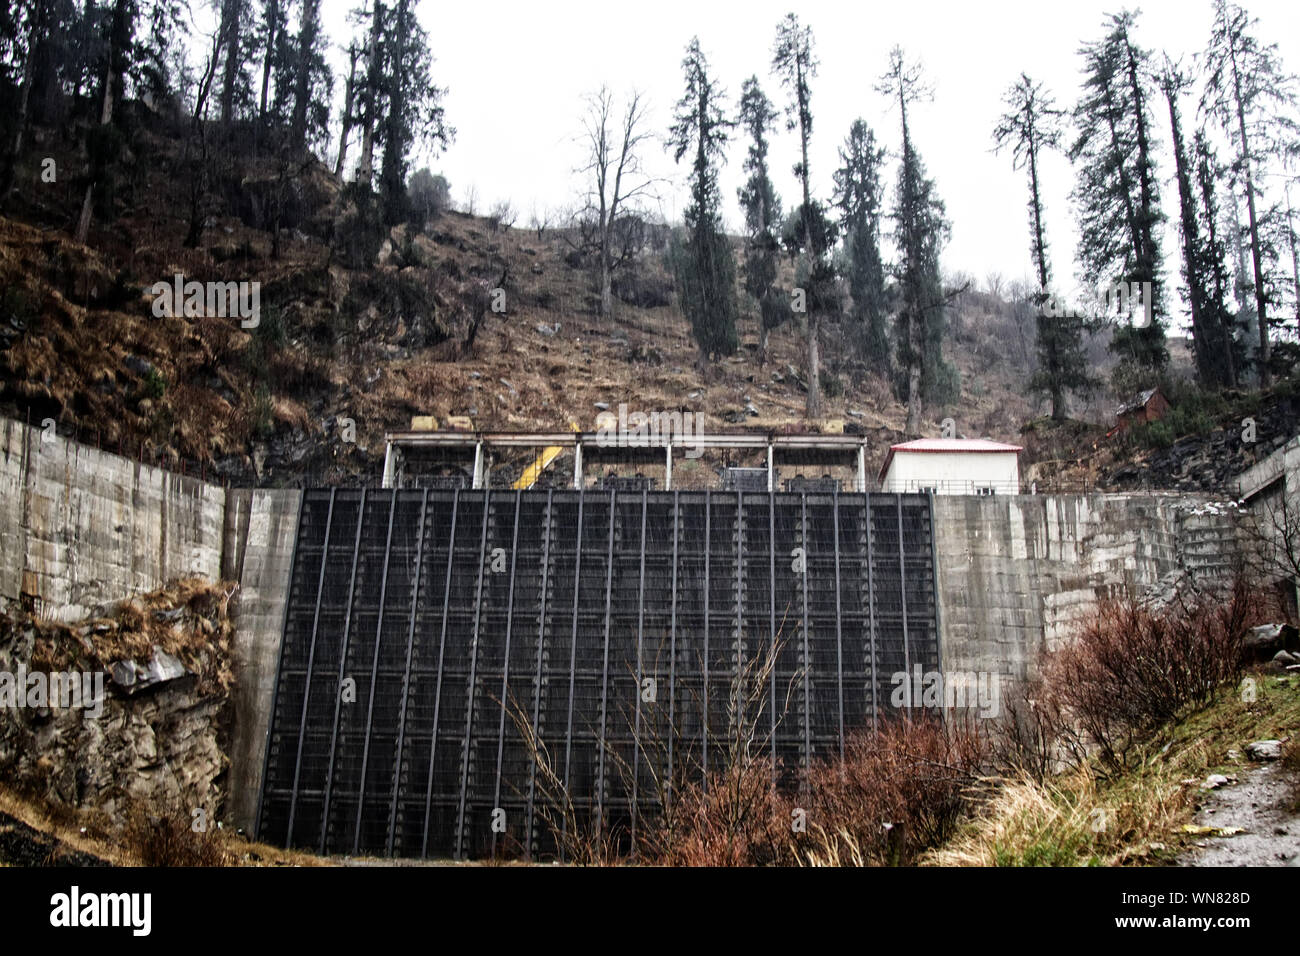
[402, 655]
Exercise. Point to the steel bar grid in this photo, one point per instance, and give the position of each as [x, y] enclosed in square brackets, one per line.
[449, 654]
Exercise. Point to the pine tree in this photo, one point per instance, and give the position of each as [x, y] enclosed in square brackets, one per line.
[1212, 359]
[1221, 319]
[705, 266]
[1032, 124]
[793, 61]
[398, 104]
[1117, 191]
[920, 231]
[762, 207]
[858, 195]
[311, 79]
[1253, 100]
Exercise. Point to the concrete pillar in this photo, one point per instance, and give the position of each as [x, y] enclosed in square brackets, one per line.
[577, 464]
[771, 472]
[668, 465]
[478, 466]
[862, 468]
[388, 464]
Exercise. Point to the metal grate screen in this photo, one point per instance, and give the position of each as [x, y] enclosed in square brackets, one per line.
[611, 624]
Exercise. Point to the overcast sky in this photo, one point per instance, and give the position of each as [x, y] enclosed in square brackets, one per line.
[517, 73]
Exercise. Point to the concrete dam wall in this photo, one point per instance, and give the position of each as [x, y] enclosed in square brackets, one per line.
[81, 527]
[431, 634]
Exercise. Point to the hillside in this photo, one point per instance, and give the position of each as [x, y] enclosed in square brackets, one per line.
[413, 335]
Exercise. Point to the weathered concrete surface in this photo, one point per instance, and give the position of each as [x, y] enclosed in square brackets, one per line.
[262, 527]
[1015, 574]
[89, 527]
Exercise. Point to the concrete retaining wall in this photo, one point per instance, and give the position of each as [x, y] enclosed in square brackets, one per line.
[1015, 574]
[88, 527]
[262, 529]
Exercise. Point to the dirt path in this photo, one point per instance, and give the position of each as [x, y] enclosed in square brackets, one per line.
[1260, 805]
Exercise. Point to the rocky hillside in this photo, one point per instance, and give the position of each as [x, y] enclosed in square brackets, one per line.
[345, 350]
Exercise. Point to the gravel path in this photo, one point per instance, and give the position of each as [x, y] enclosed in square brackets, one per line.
[1259, 804]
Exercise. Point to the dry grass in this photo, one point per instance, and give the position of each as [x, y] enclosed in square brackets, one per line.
[189, 619]
[147, 838]
[1135, 816]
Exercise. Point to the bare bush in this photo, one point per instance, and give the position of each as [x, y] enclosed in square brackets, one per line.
[1132, 668]
[169, 838]
[898, 791]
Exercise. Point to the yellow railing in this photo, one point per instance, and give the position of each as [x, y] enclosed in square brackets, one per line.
[543, 461]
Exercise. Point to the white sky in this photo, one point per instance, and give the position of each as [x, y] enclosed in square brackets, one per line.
[517, 73]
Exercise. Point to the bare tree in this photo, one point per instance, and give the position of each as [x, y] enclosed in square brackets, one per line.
[615, 176]
[501, 216]
[539, 220]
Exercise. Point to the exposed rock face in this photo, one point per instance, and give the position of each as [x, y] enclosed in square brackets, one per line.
[155, 740]
[1210, 462]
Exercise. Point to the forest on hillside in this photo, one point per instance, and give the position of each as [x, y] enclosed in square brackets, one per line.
[283, 171]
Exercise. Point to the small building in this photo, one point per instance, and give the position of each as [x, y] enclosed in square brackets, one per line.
[1150, 406]
[952, 466]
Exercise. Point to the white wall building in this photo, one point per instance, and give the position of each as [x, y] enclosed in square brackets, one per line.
[952, 466]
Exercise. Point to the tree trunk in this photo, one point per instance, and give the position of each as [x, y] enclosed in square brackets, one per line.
[273, 17]
[1196, 293]
[347, 113]
[230, 15]
[366, 170]
[20, 121]
[814, 406]
[302, 88]
[117, 34]
[913, 425]
[1261, 300]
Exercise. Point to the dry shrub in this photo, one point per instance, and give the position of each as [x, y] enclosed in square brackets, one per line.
[1025, 740]
[738, 818]
[168, 838]
[1132, 667]
[896, 792]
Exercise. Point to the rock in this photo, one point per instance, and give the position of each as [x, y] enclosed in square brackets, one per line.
[1214, 781]
[546, 329]
[140, 366]
[1285, 658]
[507, 383]
[133, 677]
[854, 413]
[601, 406]
[1265, 750]
[1268, 638]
